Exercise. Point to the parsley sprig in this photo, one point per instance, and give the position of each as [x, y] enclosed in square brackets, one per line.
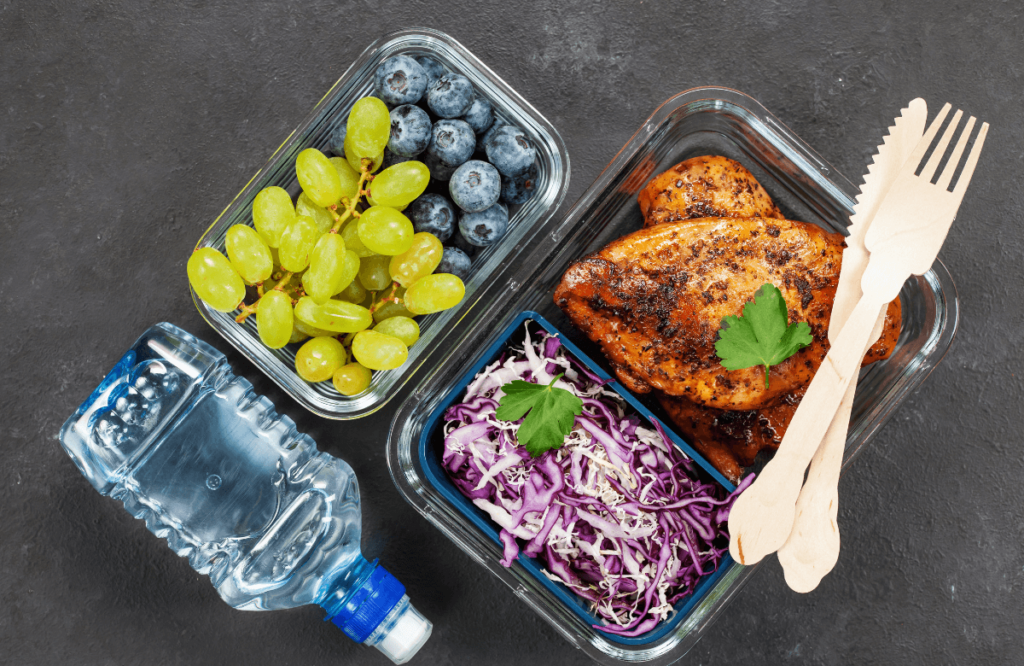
[552, 413]
[762, 335]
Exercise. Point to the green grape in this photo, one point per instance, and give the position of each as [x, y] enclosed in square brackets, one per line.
[418, 261]
[399, 184]
[373, 272]
[305, 206]
[355, 292]
[403, 328]
[272, 212]
[317, 360]
[317, 177]
[249, 254]
[274, 319]
[333, 316]
[356, 163]
[326, 268]
[434, 293]
[297, 335]
[297, 242]
[368, 130]
[215, 279]
[389, 310]
[309, 331]
[370, 200]
[351, 235]
[378, 351]
[348, 273]
[351, 379]
[385, 231]
[349, 177]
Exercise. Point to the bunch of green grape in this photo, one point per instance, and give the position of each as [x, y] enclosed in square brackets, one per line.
[341, 266]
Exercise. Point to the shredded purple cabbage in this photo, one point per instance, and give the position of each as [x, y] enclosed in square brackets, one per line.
[617, 514]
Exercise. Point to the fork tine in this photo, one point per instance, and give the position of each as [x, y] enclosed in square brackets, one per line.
[922, 146]
[940, 148]
[954, 159]
[972, 161]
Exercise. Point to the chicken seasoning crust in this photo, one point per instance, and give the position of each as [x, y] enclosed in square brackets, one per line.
[654, 301]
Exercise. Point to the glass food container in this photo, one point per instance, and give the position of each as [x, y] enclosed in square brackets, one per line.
[525, 223]
[700, 121]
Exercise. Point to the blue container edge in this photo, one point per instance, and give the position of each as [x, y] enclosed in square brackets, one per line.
[439, 479]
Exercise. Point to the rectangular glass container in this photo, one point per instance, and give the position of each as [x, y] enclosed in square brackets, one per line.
[700, 121]
[525, 223]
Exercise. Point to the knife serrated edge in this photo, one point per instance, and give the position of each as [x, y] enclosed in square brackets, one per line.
[896, 146]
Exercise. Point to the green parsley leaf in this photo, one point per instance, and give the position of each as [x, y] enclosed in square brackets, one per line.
[762, 335]
[552, 413]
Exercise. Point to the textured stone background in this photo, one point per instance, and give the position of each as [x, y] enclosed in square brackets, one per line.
[126, 127]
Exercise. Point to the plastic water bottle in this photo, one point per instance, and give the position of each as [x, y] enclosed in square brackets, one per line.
[210, 466]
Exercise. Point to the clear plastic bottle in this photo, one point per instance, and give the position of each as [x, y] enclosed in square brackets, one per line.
[188, 447]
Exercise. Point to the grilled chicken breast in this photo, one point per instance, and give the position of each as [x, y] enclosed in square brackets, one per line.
[708, 186]
[654, 301]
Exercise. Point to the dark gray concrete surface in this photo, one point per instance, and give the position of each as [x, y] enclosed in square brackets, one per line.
[126, 127]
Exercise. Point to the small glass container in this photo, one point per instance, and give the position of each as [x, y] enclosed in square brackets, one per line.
[700, 121]
[526, 222]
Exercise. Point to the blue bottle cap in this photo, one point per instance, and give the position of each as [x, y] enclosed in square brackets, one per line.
[369, 605]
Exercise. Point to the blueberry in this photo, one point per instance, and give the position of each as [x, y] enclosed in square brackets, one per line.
[434, 214]
[336, 142]
[519, 189]
[480, 115]
[481, 139]
[459, 241]
[438, 170]
[390, 159]
[475, 186]
[486, 227]
[400, 80]
[456, 262]
[510, 150]
[432, 68]
[450, 96]
[451, 142]
[410, 130]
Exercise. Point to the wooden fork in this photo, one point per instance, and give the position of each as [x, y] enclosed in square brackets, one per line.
[904, 240]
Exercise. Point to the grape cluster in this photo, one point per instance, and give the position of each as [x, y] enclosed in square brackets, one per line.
[483, 163]
[342, 265]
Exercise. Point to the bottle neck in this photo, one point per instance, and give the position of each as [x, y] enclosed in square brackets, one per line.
[341, 589]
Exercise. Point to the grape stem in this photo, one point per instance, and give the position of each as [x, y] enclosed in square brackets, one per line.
[350, 205]
[249, 309]
[391, 298]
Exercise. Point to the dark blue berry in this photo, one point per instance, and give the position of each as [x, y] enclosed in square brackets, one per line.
[486, 227]
[475, 186]
[481, 139]
[451, 142]
[456, 262]
[459, 241]
[480, 115]
[336, 142]
[519, 189]
[400, 80]
[510, 150]
[432, 68]
[432, 213]
[438, 170]
[410, 130]
[450, 96]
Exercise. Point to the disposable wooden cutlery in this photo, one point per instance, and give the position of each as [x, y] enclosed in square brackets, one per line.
[813, 546]
[904, 240]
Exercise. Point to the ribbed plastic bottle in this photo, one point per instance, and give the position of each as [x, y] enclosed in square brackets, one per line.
[210, 466]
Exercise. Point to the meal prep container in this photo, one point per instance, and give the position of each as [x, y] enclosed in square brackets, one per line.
[525, 223]
[696, 122]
